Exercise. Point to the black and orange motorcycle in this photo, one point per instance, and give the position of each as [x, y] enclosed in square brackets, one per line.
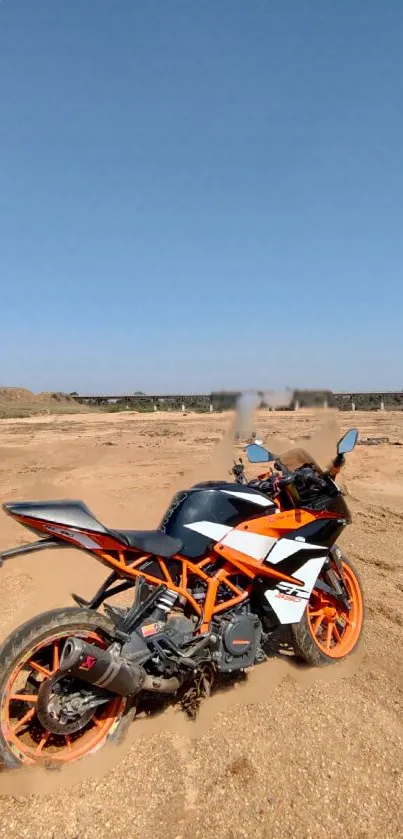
[231, 562]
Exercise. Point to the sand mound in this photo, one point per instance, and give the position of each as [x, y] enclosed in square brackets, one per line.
[15, 394]
[18, 401]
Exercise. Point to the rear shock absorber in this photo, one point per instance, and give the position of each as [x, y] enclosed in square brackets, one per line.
[164, 604]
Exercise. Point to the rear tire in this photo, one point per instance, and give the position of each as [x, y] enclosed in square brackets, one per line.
[327, 634]
[34, 649]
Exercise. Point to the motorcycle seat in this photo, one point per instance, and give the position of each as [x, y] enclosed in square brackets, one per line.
[150, 541]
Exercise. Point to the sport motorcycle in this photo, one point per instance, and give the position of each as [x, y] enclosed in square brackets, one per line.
[231, 562]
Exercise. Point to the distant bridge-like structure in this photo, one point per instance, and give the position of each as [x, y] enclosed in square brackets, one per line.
[226, 400]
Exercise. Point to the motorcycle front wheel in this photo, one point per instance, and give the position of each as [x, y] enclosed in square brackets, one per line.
[28, 658]
[328, 632]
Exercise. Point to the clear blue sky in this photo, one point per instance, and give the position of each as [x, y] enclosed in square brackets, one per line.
[198, 194]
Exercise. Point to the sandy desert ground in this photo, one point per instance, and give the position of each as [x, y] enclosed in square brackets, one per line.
[294, 754]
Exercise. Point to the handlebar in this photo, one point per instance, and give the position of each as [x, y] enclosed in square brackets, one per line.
[304, 479]
[272, 485]
[305, 475]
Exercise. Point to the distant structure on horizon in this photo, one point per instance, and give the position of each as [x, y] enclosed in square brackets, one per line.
[226, 400]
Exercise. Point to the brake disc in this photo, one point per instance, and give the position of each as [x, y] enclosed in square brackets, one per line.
[58, 711]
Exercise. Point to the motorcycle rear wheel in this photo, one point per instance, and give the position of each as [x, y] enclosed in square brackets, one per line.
[327, 633]
[29, 656]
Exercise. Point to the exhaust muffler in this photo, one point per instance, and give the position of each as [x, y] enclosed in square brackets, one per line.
[107, 669]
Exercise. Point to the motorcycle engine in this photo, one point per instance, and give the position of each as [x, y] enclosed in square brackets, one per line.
[180, 629]
[238, 642]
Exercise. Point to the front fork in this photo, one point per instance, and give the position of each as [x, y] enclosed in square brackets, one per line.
[337, 585]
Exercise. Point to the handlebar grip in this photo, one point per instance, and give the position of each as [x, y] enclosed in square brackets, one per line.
[319, 482]
[288, 479]
[265, 486]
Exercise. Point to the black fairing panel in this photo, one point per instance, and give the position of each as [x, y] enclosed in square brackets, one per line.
[338, 506]
[334, 504]
[321, 532]
[67, 513]
[205, 502]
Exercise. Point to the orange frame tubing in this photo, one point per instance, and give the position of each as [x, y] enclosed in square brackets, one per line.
[134, 571]
[236, 562]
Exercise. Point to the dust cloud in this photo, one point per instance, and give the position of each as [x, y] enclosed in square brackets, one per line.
[260, 683]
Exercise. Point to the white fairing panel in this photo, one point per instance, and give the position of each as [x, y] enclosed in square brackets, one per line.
[252, 497]
[209, 528]
[251, 544]
[289, 602]
[283, 548]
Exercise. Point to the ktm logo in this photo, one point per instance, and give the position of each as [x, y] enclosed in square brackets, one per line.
[88, 663]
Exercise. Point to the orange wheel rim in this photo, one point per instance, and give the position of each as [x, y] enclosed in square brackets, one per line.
[27, 739]
[336, 630]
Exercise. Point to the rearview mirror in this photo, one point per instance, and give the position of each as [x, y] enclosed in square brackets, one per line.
[348, 442]
[257, 454]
